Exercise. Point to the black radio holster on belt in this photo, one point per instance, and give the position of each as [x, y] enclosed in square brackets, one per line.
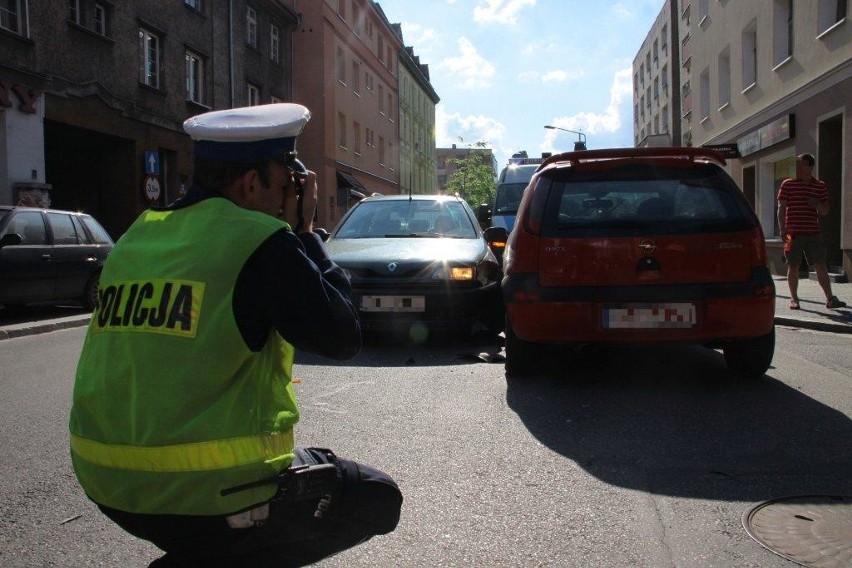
[301, 482]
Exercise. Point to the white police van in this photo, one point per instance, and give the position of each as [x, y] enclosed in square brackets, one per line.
[510, 188]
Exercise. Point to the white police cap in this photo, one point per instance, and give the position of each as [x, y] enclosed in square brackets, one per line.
[247, 134]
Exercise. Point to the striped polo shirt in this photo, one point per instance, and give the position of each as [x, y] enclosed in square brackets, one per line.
[801, 218]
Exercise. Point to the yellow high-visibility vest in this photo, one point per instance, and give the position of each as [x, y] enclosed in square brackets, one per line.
[170, 405]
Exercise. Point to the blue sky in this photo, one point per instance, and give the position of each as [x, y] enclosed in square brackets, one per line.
[505, 68]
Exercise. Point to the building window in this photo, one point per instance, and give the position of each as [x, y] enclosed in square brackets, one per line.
[341, 130]
[381, 50]
[274, 43]
[341, 66]
[356, 77]
[194, 4]
[341, 9]
[100, 20]
[356, 137]
[783, 30]
[705, 94]
[251, 26]
[149, 58]
[702, 11]
[381, 99]
[253, 95]
[194, 77]
[390, 106]
[381, 150]
[14, 16]
[831, 12]
[74, 12]
[724, 78]
[749, 43]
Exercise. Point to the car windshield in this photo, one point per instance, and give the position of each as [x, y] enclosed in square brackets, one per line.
[407, 218]
[509, 197]
[676, 199]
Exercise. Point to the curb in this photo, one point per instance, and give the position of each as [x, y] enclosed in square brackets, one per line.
[813, 324]
[24, 329]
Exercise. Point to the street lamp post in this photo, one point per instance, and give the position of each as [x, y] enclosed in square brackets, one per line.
[580, 144]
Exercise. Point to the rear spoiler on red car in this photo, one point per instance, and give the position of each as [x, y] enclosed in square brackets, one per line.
[659, 155]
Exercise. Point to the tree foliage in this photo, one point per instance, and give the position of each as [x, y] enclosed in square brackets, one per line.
[474, 179]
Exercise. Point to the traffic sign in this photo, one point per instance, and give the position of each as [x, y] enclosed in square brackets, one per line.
[152, 188]
[152, 162]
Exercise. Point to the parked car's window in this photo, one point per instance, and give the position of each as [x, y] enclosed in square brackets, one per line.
[672, 199]
[64, 232]
[30, 225]
[3, 213]
[380, 219]
[99, 234]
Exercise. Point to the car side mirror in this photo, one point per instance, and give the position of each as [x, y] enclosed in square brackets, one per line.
[484, 214]
[11, 239]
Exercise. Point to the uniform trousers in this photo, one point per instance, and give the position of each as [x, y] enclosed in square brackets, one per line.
[368, 504]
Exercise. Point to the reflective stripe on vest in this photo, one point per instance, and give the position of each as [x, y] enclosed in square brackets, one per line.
[199, 456]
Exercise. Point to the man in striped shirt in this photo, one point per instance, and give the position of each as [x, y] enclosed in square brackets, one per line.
[800, 203]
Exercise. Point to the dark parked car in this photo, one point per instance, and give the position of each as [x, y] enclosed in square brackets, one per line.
[419, 263]
[50, 255]
[638, 245]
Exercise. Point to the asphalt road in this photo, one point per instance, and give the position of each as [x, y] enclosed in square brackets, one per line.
[642, 457]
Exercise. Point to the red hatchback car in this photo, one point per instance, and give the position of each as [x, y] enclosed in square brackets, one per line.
[638, 245]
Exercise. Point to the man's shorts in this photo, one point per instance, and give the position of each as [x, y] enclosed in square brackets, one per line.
[811, 245]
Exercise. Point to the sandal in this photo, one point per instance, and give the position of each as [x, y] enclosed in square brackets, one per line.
[794, 305]
[834, 302]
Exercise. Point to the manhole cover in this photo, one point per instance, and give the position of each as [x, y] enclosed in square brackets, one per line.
[812, 530]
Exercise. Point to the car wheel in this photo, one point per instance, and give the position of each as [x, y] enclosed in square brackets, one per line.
[750, 357]
[521, 356]
[89, 299]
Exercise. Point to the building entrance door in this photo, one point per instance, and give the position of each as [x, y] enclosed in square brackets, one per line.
[830, 170]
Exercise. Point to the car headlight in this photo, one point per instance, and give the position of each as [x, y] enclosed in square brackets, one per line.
[454, 273]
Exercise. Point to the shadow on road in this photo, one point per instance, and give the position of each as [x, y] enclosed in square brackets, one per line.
[444, 349]
[673, 421]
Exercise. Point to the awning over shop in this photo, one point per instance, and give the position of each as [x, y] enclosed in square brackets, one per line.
[350, 182]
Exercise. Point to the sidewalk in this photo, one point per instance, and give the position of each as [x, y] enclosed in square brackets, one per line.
[812, 315]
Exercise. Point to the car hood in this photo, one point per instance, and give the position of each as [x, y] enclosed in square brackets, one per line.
[409, 251]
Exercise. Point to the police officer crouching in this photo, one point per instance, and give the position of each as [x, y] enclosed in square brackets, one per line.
[183, 407]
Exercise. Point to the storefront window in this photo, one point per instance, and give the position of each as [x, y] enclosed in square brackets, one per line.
[784, 169]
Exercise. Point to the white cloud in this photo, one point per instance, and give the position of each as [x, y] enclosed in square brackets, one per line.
[499, 11]
[555, 76]
[418, 36]
[472, 70]
[591, 122]
[454, 128]
[621, 11]
[537, 48]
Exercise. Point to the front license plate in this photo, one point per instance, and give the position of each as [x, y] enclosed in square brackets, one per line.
[393, 304]
[650, 316]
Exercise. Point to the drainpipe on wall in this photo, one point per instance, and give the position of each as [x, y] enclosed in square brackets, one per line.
[231, 48]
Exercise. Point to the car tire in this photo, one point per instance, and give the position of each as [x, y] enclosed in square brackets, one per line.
[750, 358]
[521, 356]
[89, 299]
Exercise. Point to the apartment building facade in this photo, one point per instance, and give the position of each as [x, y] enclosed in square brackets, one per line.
[656, 72]
[347, 72]
[776, 81]
[417, 101]
[446, 165]
[772, 80]
[93, 94]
